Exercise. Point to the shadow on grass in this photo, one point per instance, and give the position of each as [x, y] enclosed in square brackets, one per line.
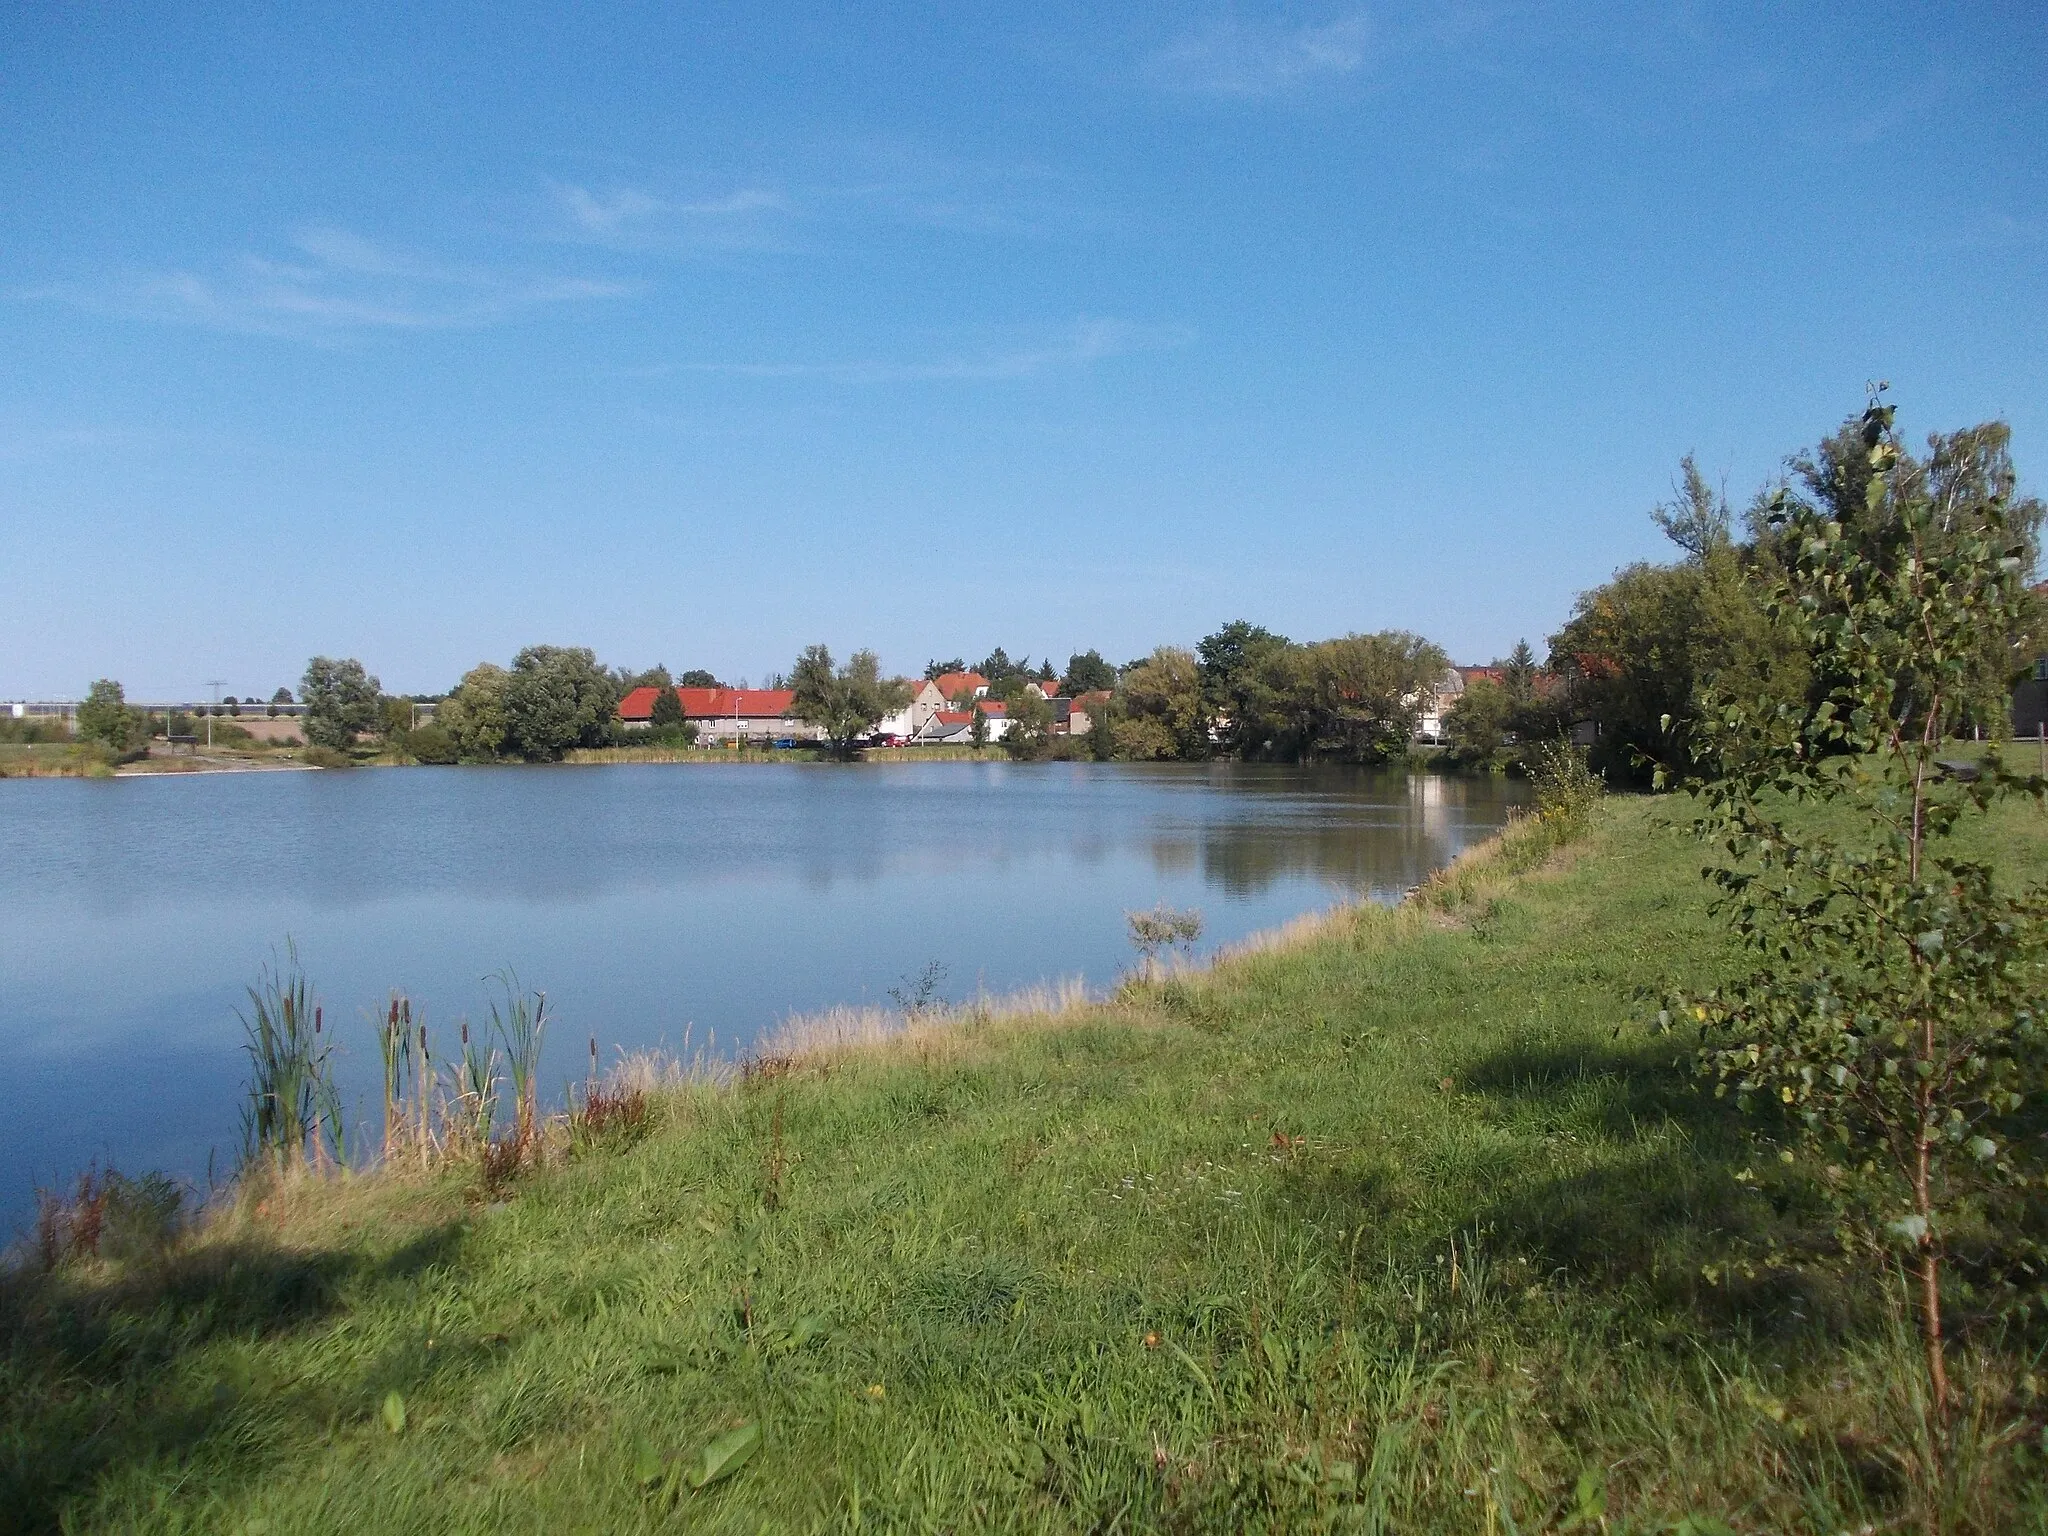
[101, 1376]
[1654, 1216]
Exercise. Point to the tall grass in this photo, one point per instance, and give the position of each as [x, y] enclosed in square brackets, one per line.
[292, 1115]
[521, 1024]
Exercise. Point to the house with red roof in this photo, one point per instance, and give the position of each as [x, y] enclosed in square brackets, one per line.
[925, 701]
[958, 688]
[726, 714]
[1084, 709]
[955, 727]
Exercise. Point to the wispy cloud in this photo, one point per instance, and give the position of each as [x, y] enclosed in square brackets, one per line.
[1087, 341]
[1234, 57]
[333, 282]
[636, 217]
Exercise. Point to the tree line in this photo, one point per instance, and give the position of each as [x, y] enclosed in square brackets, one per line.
[1628, 669]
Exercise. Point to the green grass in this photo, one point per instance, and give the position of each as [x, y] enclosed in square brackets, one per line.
[1407, 1224]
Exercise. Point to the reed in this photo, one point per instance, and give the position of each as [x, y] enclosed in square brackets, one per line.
[521, 1024]
[292, 1098]
[474, 1110]
[394, 1050]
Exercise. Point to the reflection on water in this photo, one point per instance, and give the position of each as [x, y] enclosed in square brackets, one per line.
[647, 901]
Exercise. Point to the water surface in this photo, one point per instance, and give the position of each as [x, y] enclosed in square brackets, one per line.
[648, 901]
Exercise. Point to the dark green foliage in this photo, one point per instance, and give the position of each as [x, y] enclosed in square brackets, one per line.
[667, 713]
[555, 698]
[341, 702]
[1086, 672]
[1238, 671]
[697, 677]
[997, 667]
[431, 744]
[938, 669]
[1891, 1024]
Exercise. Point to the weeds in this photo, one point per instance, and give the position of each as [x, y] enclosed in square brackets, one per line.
[108, 1215]
[1163, 929]
[919, 995]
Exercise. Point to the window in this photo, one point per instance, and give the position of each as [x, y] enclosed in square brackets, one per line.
[2041, 669]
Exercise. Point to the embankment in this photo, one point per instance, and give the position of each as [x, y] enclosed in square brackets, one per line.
[1402, 1221]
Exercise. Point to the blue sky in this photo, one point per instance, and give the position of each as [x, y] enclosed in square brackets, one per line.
[698, 333]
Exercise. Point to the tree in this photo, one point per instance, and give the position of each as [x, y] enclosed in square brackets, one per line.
[282, 696]
[1086, 672]
[996, 666]
[1518, 675]
[1354, 699]
[667, 713]
[1893, 1016]
[1238, 666]
[340, 699]
[1640, 652]
[1163, 714]
[477, 716]
[1695, 519]
[934, 670]
[845, 704]
[1030, 732]
[556, 698]
[105, 717]
[697, 677]
[1477, 723]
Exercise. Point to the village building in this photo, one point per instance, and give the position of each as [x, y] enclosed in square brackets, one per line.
[726, 714]
[908, 722]
[961, 688]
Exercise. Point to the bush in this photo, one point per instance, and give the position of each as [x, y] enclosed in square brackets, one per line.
[326, 757]
[430, 744]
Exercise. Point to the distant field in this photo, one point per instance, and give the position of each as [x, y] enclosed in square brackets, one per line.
[1408, 1222]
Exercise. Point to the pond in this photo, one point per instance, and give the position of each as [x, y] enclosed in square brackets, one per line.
[654, 904]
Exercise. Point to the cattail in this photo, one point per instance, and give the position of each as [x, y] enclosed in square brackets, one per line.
[316, 1019]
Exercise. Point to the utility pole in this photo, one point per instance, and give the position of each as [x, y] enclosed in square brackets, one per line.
[215, 684]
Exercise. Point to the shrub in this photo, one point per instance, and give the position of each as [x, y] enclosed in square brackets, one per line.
[430, 744]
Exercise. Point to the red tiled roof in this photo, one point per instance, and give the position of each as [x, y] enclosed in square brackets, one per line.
[712, 703]
[1050, 690]
[952, 684]
[954, 716]
[1085, 701]
[995, 709]
[747, 703]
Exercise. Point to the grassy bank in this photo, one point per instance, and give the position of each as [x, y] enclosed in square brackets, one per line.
[1402, 1222]
[54, 760]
